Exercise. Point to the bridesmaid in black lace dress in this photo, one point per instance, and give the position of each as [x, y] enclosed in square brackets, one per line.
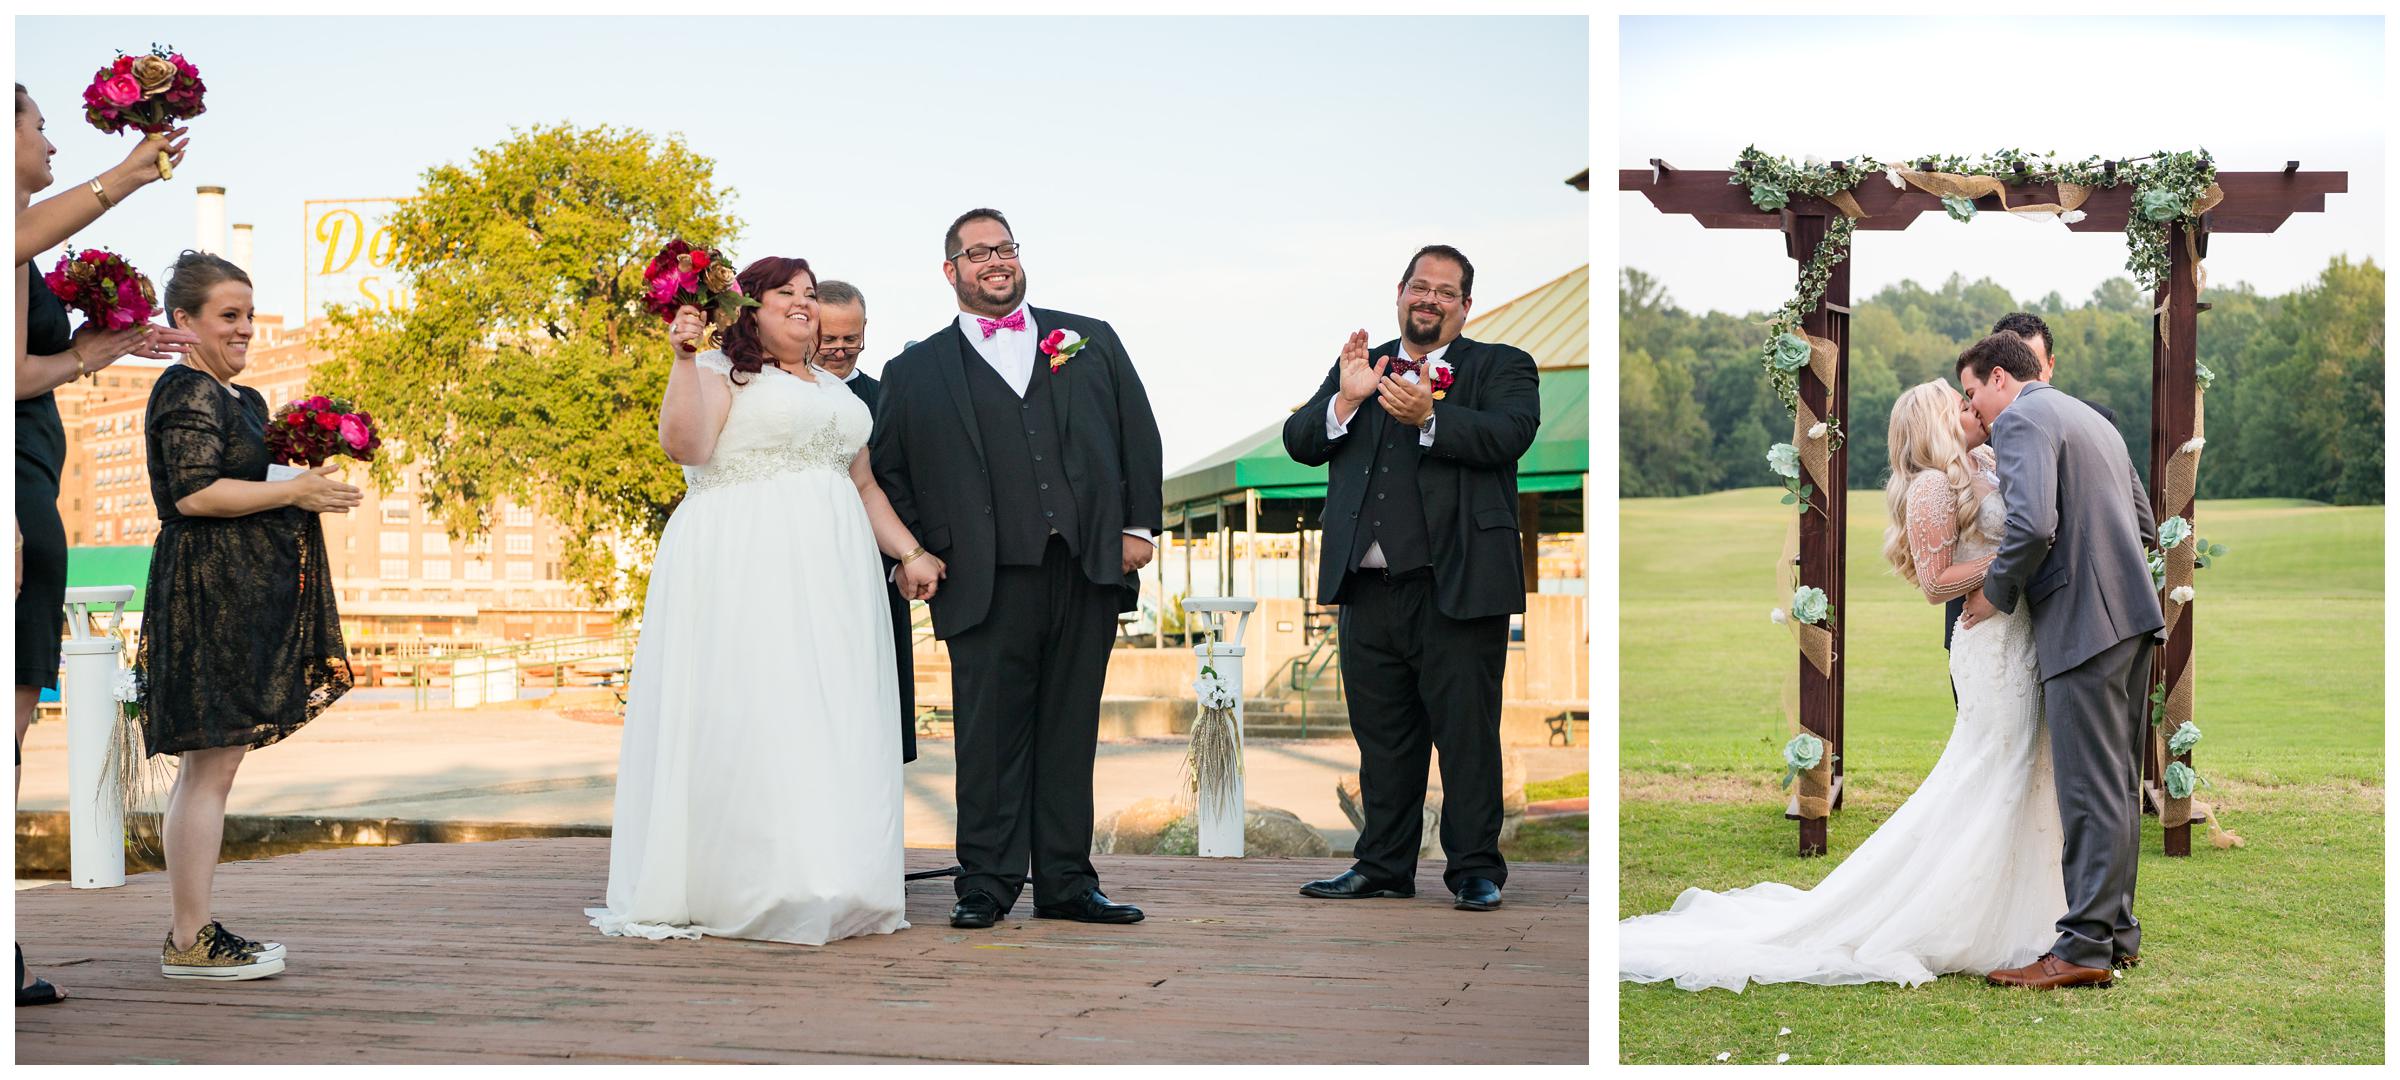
[240, 641]
[49, 356]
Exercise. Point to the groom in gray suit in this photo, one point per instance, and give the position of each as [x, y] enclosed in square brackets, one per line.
[2079, 527]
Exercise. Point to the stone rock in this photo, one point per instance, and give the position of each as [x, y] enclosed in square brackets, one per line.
[1512, 794]
[1137, 829]
[1350, 795]
[1268, 830]
[1162, 827]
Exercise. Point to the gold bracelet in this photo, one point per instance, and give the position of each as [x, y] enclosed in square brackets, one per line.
[920, 550]
[101, 193]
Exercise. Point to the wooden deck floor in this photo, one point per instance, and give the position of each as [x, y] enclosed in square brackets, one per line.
[479, 952]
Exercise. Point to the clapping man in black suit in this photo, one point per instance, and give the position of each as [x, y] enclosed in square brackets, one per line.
[1421, 437]
[1019, 445]
[841, 337]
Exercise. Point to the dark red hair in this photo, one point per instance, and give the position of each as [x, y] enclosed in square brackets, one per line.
[741, 342]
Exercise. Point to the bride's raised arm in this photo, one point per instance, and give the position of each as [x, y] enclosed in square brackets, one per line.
[1933, 535]
[692, 414]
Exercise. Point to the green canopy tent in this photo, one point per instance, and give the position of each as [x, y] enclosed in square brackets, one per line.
[1253, 487]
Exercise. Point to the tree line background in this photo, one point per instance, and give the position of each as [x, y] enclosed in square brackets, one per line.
[2296, 410]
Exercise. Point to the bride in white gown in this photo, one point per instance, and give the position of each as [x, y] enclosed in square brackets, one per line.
[758, 789]
[1965, 876]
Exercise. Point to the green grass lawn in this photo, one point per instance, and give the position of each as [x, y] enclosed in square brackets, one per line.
[2268, 953]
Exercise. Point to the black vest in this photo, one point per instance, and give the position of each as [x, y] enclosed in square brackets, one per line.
[1030, 498]
[1393, 512]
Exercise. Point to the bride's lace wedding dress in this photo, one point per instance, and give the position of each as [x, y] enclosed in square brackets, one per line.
[758, 791]
[1964, 877]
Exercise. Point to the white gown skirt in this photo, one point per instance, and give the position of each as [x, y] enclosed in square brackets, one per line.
[758, 790]
[1964, 877]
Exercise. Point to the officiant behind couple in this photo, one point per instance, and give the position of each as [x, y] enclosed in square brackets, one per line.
[1010, 473]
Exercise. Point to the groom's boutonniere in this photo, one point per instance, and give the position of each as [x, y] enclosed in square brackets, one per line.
[1060, 346]
[1442, 378]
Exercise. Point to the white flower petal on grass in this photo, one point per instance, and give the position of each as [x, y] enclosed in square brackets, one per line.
[1724, 1057]
[1781, 1058]
[2182, 595]
[2037, 1019]
[1785, 1031]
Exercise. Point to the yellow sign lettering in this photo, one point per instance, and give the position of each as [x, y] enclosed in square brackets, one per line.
[331, 229]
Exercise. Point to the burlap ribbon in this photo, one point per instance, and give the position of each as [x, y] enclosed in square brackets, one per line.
[2207, 201]
[1816, 643]
[1816, 455]
[2179, 486]
[1847, 204]
[2176, 811]
[1816, 787]
[1824, 361]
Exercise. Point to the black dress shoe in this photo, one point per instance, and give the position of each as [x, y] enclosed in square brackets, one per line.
[1476, 894]
[975, 911]
[1090, 907]
[1353, 885]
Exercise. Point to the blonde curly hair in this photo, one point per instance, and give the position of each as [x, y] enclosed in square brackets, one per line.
[1924, 438]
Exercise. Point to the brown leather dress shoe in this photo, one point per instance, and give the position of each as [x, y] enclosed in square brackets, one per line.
[2051, 973]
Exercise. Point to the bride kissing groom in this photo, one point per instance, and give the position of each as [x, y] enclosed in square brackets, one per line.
[2015, 858]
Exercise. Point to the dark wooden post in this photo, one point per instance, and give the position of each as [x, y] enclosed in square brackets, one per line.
[1529, 531]
[2174, 381]
[1822, 546]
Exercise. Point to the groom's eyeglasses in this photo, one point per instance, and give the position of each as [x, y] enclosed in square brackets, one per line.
[984, 252]
[1418, 290]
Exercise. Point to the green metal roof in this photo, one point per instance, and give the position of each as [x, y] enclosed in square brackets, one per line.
[128, 565]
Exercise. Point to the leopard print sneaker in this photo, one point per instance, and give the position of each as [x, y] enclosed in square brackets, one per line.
[219, 955]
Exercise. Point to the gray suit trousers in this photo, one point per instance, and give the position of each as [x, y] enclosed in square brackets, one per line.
[2094, 710]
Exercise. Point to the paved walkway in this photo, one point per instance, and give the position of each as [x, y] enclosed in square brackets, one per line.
[536, 767]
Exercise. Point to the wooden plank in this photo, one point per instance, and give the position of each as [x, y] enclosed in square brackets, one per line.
[2254, 201]
[2175, 379]
[480, 953]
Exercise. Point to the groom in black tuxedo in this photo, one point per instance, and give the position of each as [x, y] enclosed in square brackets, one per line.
[1018, 445]
[841, 337]
[1422, 436]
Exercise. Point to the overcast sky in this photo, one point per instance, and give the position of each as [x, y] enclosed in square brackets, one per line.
[1236, 195]
[1695, 91]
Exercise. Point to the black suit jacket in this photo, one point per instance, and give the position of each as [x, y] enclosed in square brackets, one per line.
[1468, 478]
[928, 456]
[868, 390]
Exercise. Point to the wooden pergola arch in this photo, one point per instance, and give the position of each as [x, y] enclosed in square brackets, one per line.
[2254, 202]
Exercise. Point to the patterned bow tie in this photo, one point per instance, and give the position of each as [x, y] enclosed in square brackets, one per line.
[1015, 321]
[1402, 365]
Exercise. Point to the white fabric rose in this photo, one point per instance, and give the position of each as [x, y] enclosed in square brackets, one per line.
[2182, 595]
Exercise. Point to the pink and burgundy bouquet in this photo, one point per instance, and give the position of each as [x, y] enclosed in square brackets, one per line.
[149, 93]
[105, 287]
[309, 431]
[702, 277]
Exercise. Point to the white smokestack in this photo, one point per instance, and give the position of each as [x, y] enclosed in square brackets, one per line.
[242, 250]
[210, 234]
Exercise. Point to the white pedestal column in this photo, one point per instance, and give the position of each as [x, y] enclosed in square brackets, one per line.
[1221, 821]
[95, 802]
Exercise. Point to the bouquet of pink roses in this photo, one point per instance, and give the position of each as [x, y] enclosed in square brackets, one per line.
[149, 93]
[682, 274]
[105, 287]
[311, 430]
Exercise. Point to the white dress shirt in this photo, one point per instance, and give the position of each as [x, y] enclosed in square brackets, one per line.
[1011, 354]
[1335, 428]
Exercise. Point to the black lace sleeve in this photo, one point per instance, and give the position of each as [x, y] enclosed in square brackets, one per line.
[186, 426]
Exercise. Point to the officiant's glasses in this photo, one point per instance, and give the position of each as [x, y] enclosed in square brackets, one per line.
[1418, 290]
[984, 252]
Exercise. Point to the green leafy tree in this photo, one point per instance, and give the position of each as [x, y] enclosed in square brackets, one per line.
[528, 369]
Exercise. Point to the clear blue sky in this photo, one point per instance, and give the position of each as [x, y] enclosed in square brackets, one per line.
[2259, 91]
[1236, 195]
